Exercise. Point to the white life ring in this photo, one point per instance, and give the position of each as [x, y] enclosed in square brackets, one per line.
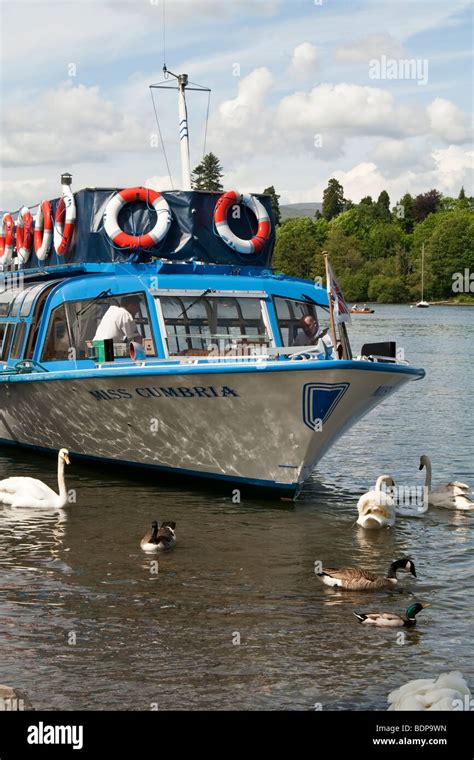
[6, 239]
[43, 230]
[232, 198]
[24, 235]
[64, 221]
[130, 194]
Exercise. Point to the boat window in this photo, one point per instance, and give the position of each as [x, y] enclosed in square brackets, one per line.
[29, 298]
[7, 297]
[74, 326]
[290, 314]
[6, 332]
[203, 324]
[18, 340]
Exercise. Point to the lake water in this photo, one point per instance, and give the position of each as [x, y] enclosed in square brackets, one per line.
[86, 623]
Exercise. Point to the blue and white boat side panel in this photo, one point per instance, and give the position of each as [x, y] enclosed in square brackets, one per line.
[203, 419]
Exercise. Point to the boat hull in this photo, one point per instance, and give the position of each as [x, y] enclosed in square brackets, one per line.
[264, 425]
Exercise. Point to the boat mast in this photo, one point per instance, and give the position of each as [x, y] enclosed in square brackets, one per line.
[183, 132]
[422, 270]
[182, 82]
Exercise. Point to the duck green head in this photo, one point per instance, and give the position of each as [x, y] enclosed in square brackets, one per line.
[414, 609]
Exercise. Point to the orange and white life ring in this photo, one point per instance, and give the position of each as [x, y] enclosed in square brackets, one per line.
[224, 204]
[24, 235]
[43, 230]
[6, 239]
[64, 221]
[130, 194]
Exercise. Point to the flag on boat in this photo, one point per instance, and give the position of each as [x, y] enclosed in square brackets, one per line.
[340, 310]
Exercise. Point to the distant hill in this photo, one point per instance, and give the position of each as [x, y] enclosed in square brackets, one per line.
[292, 210]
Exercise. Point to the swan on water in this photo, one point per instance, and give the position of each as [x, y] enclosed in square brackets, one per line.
[31, 492]
[377, 508]
[453, 495]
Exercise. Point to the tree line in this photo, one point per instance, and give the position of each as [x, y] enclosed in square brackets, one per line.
[375, 246]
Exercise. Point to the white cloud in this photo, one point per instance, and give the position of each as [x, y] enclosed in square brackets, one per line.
[394, 155]
[454, 168]
[369, 47]
[305, 60]
[68, 124]
[447, 120]
[160, 183]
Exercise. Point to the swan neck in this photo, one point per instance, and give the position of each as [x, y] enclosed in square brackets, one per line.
[428, 474]
[61, 479]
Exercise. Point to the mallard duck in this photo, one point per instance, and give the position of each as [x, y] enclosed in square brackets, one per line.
[390, 620]
[453, 495]
[355, 579]
[377, 508]
[31, 492]
[448, 692]
[159, 538]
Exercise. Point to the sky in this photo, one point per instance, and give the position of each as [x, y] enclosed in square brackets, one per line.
[376, 94]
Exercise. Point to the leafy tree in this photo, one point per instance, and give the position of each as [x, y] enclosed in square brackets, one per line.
[403, 213]
[367, 200]
[462, 194]
[208, 174]
[426, 203]
[385, 240]
[275, 204]
[383, 207]
[386, 289]
[333, 199]
[357, 221]
[296, 244]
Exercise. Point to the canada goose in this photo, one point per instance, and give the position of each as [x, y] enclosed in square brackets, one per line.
[355, 579]
[377, 508]
[453, 495]
[31, 492]
[391, 620]
[447, 692]
[159, 538]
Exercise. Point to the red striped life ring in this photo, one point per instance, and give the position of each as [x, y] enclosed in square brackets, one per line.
[119, 200]
[226, 202]
[24, 235]
[64, 221]
[6, 239]
[43, 230]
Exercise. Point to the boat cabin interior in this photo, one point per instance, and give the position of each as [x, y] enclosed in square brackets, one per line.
[57, 322]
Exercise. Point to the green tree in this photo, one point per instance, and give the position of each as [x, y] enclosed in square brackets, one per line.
[384, 240]
[275, 204]
[386, 289]
[383, 207]
[297, 242]
[208, 174]
[367, 200]
[403, 213]
[333, 199]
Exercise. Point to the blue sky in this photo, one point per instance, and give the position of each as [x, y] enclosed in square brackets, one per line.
[292, 104]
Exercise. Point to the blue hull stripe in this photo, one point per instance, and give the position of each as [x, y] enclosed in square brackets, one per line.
[126, 370]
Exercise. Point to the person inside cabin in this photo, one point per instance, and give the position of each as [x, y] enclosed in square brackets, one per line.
[118, 322]
[309, 332]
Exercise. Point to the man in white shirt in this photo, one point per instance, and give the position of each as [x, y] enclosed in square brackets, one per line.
[118, 322]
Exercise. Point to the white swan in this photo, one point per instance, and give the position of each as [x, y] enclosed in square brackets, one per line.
[377, 508]
[30, 492]
[448, 692]
[453, 495]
